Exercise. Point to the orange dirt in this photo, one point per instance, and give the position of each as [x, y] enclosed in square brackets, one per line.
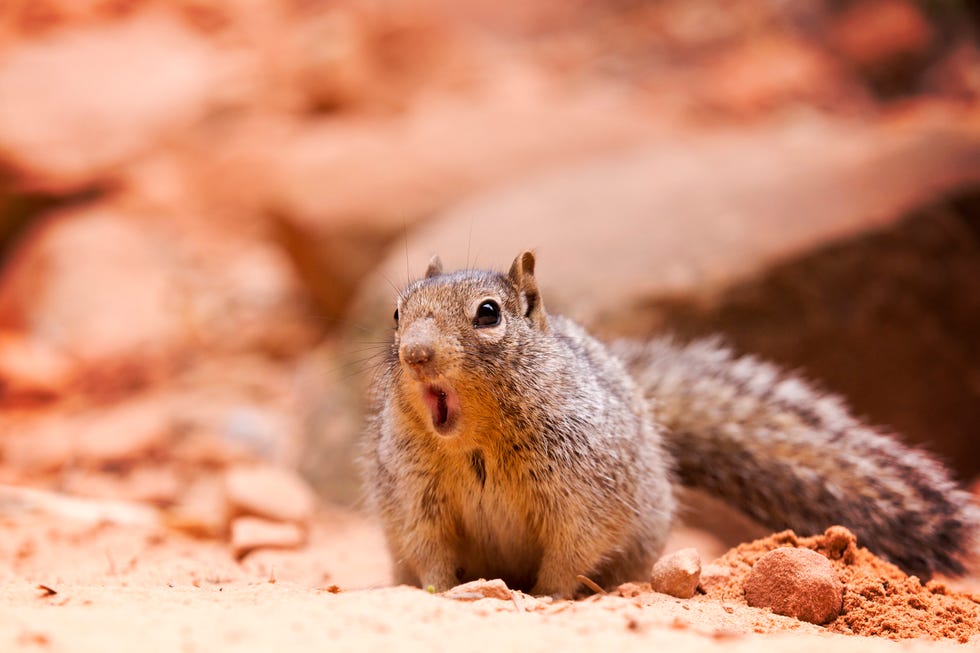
[879, 599]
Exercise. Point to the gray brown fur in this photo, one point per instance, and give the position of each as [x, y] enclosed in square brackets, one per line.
[793, 457]
[527, 451]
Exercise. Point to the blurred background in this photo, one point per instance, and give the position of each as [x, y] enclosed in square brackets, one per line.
[206, 207]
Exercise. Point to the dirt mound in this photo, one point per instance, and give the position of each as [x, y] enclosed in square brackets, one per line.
[879, 598]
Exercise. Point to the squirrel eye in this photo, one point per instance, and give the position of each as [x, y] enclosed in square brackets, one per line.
[396, 316]
[487, 315]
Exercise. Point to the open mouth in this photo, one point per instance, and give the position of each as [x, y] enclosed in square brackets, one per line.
[443, 405]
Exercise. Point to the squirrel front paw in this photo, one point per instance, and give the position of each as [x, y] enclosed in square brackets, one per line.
[440, 579]
[557, 587]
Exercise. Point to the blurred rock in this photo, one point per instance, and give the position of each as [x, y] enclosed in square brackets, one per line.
[887, 318]
[269, 492]
[333, 62]
[33, 17]
[148, 483]
[30, 369]
[115, 436]
[235, 409]
[15, 500]
[95, 284]
[203, 448]
[35, 444]
[362, 58]
[156, 484]
[233, 412]
[79, 102]
[424, 160]
[202, 508]
[123, 301]
[260, 431]
[19, 208]
[251, 533]
[796, 583]
[652, 222]
[677, 573]
[957, 74]
[886, 41]
[768, 72]
[872, 32]
[122, 434]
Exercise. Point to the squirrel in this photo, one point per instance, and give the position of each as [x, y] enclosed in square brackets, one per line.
[507, 442]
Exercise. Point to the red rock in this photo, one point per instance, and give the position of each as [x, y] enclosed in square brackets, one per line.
[957, 74]
[711, 231]
[95, 284]
[677, 574]
[202, 509]
[78, 102]
[37, 444]
[763, 73]
[120, 297]
[251, 533]
[123, 433]
[797, 583]
[204, 448]
[373, 59]
[42, 16]
[332, 61]
[447, 147]
[153, 484]
[29, 367]
[270, 492]
[63, 506]
[877, 32]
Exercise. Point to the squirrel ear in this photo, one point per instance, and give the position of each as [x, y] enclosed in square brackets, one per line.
[522, 276]
[435, 267]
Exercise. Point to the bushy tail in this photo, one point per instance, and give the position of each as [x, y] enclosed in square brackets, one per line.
[793, 457]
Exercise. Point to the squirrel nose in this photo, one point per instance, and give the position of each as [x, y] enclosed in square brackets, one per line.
[417, 353]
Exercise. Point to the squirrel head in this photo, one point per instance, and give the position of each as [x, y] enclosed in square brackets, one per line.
[457, 333]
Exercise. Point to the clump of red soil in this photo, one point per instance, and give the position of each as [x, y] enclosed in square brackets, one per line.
[797, 583]
[879, 598]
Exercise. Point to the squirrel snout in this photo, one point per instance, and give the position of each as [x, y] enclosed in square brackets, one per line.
[421, 349]
[417, 354]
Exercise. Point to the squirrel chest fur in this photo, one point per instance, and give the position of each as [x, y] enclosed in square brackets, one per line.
[508, 443]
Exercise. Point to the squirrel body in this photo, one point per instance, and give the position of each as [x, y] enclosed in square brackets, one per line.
[508, 442]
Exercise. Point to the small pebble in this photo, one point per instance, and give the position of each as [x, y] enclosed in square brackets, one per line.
[677, 574]
[480, 589]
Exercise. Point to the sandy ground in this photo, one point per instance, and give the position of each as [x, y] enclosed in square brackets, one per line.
[152, 327]
[81, 586]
